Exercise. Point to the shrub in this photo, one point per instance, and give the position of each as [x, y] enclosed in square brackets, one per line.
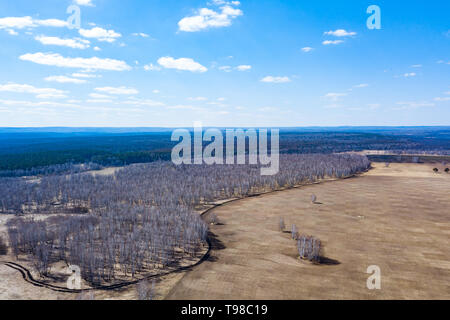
[309, 248]
[447, 170]
[436, 170]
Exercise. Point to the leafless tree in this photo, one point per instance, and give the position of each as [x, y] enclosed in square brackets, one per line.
[294, 232]
[143, 216]
[313, 198]
[282, 225]
[213, 219]
[309, 248]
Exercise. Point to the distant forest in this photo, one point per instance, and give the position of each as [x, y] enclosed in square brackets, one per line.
[31, 150]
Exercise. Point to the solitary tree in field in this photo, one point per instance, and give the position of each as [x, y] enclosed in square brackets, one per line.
[294, 232]
[387, 164]
[309, 248]
[282, 226]
[213, 219]
[447, 170]
[313, 198]
[436, 170]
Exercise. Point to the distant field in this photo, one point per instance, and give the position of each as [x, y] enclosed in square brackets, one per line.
[396, 218]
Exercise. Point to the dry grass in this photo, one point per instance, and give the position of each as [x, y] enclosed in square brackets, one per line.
[396, 218]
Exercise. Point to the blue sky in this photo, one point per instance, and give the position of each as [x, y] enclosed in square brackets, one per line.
[225, 63]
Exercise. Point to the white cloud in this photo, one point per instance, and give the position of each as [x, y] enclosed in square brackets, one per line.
[414, 104]
[441, 99]
[151, 67]
[307, 49]
[373, 106]
[12, 32]
[328, 42]
[100, 34]
[333, 96]
[94, 63]
[76, 43]
[118, 90]
[84, 2]
[64, 79]
[36, 104]
[186, 107]
[99, 101]
[243, 67]
[16, 22]
[52, 23]
[141, 34]
[97, 49]
[51, 96]
[271, 79]
[268, 109]
[197, 98]
[410, 74]
[181, 64]
[207, 18]
[29, 22]
[99, 96]
[416, 66]
[362, 85]
[339, 33]
[225, 68]
[84, 75]
[143, 102]
[26, 88]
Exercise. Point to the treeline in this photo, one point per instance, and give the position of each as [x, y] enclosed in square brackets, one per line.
[67, 168]
[26, 152]
[41, 162]
[142, 216]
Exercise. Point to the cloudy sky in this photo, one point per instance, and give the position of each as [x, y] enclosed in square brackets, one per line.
[169, 63]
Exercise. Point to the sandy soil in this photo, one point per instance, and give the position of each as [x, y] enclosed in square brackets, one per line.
[396, 218]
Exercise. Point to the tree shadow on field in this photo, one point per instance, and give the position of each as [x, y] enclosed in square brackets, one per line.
[328, 261]
[215, 244]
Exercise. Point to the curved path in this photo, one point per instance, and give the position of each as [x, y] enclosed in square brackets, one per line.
[396, 218]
